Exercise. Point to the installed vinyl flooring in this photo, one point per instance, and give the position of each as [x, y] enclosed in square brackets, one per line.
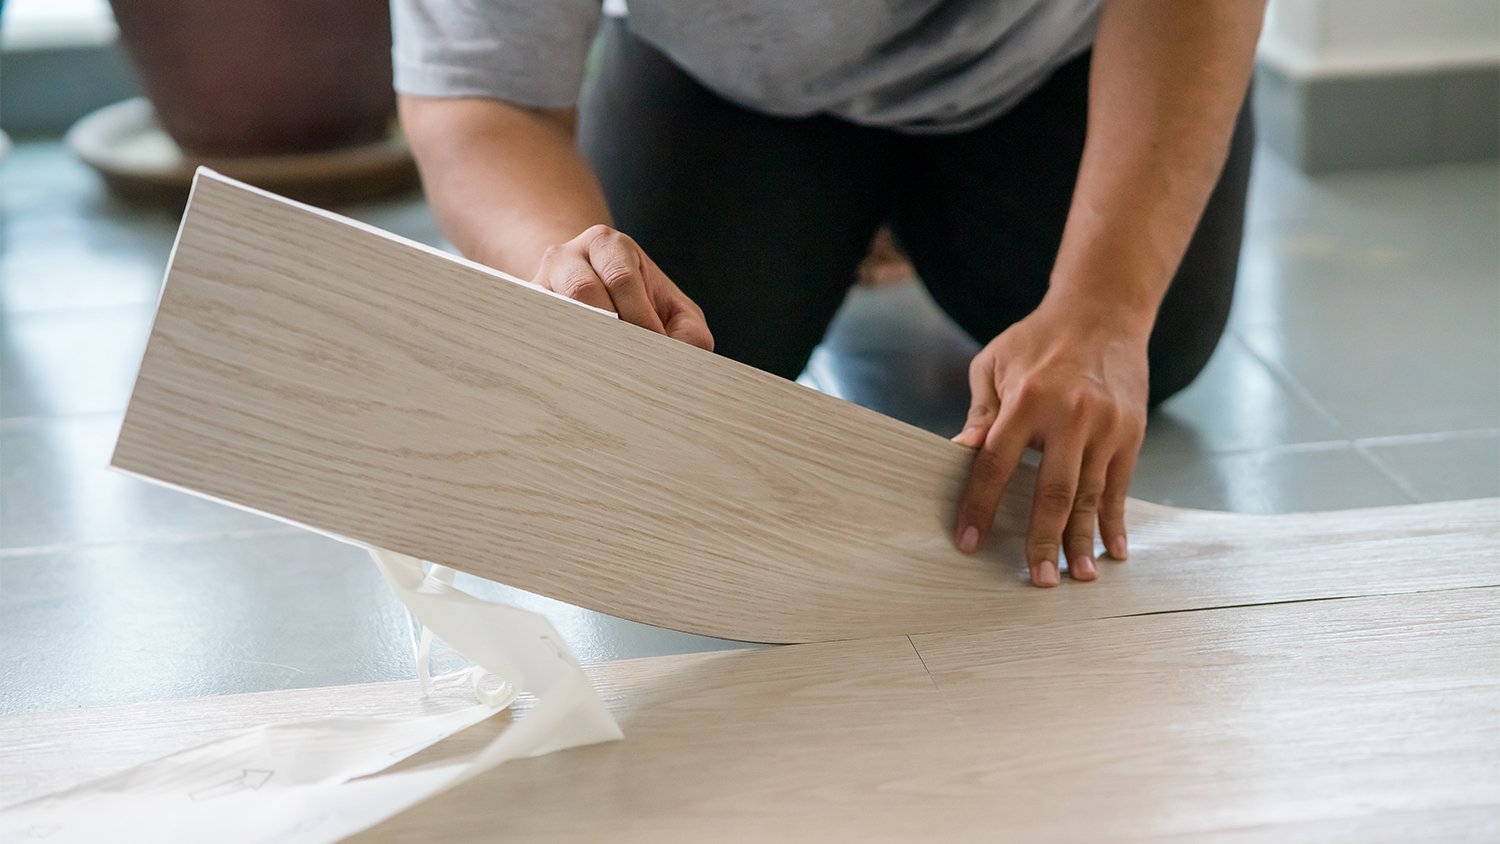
[1362, 367]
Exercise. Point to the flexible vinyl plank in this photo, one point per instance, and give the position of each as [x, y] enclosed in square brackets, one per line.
[1364, 719]
[1374, 719]
[328, 374]
[1317, 717]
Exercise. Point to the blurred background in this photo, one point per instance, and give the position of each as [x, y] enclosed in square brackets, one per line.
[1361, 368]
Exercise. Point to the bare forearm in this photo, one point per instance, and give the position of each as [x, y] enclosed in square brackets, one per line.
[504, 181]
[1167, 82]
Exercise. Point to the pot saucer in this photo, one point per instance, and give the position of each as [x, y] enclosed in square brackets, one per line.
[141, 163]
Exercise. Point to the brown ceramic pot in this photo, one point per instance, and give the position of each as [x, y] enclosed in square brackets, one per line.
[263, 77]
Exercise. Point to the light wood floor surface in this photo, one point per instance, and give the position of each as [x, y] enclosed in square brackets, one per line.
[339, 378]
[1363, 719]
[1307, 677]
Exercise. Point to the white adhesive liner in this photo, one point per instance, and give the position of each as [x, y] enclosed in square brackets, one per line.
[302, 782]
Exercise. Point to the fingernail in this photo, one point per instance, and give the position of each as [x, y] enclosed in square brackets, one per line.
[1046, 573]
[968, 435]
[1117, 548]
[969, 541]
[1083, 568]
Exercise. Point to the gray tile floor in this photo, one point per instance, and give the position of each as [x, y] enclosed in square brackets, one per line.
[1362, 368]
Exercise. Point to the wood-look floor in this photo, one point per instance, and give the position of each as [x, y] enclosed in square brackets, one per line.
[1362, 719]
[1307, 677]
[324, 373]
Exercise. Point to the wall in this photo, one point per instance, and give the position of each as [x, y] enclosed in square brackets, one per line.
[1354, 83]
[59, 60]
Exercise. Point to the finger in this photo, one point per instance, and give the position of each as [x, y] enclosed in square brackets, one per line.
[686, 323]
[988, 477]
[683, 318]
[1078, 536]
[566, 270]
[1112, 502]
[984, 405]
[616, 260]
[1052, 504]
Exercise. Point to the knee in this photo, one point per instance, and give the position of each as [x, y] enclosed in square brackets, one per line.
[1178, 358]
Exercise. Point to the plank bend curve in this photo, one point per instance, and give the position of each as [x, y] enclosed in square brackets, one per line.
[331, 375]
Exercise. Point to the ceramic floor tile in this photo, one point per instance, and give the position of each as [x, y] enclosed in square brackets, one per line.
[74, 265]
[1279, 288]
[56, 489]
[1236, 404]
[1408, 374]
[1443, 467]
[70, 361]
[1287, 480]
[152, 621]
[1446, 211]
[64, 243]
[1378, 294]
[1364, 245]
[107, 625]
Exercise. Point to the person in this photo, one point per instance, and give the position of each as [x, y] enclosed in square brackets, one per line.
[1068, 178]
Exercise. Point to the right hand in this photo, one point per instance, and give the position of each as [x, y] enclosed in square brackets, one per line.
[605, 268]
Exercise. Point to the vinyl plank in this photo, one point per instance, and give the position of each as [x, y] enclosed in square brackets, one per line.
[297, 368]
[1307, 720]
[1308, 714]
[787, 743]
[332, 376]
[1365, 719]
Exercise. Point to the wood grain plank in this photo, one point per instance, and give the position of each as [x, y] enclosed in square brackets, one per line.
[1365, 719]
[1353, 720]
[330, 375]
[343, 380]
[1309, 715]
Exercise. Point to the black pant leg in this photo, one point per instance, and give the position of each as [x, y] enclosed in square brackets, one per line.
[1196, 309]
[761, 220]
[983, 216]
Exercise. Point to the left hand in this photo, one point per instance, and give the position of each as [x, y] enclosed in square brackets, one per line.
[1072, 383]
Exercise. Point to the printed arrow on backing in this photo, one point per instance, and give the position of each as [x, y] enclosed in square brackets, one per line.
[248, 779]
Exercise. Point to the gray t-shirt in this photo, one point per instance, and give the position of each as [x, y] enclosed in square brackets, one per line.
[911, 65]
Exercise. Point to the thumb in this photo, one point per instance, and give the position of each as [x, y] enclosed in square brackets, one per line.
[687, 324]
[984, 407]
[681, 317]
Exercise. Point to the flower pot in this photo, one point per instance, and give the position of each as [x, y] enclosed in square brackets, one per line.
[263, 77]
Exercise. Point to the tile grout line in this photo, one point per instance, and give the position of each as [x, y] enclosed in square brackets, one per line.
[1290, 383]
[1359, 445]
[22, 423]
[21, 552]
[1274, 448]
[1390, 474]
[63, 312]
[1428, 437]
